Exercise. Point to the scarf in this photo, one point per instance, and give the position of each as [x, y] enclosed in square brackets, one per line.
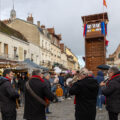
[8, 79]
[112, 78]
[36, 76]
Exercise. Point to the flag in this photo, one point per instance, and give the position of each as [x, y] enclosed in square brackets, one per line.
[103, 28]
[85, 30]
[106, 42]
[104, 3]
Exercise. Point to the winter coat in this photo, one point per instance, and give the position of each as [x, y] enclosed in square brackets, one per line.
[47, 83]
[22, 83]
[61, 80]
[112, 93]
[34, 110]
[15, 84]
[100, 78]
[86, 91]
[8, 97]
[59, 92]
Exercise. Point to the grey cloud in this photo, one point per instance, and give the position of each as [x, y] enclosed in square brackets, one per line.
[65, 16]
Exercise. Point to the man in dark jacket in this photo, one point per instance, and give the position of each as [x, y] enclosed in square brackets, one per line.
[85, 90]
[21, 82]
[34, 110]
[7, 96]
[47, 81]
[112, 93]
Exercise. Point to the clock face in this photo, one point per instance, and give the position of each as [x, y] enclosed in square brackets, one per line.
[94, 27]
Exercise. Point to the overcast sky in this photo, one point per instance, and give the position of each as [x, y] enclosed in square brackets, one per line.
[65, 16]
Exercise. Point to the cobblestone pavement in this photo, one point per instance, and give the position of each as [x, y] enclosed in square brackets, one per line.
[64, 111]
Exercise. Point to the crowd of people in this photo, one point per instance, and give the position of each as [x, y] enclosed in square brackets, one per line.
[15, 87]
[37, 92]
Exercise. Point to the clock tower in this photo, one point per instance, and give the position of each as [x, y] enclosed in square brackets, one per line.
[95, 31]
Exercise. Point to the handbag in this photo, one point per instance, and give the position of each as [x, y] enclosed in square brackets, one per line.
[38, 98]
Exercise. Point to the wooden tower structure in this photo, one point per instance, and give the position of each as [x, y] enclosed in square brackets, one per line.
[95, 31]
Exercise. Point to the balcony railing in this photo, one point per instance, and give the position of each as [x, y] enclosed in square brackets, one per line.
[8, 57]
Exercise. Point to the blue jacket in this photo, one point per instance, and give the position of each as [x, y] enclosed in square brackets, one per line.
[100, 78]
[61, 80]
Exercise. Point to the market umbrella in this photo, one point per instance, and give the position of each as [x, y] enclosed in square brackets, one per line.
[103, 67]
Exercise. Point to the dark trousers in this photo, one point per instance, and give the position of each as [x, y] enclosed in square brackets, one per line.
[113, 116]
[8, 116]
[47, 109]
[86, 116]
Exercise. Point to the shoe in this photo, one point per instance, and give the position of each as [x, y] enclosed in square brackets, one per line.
[100, 109]
[49, 113]
[69, 98]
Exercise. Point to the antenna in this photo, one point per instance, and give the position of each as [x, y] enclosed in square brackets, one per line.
[13, 4]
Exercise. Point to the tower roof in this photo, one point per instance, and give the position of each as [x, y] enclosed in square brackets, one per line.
[95, 17]
[13, 13]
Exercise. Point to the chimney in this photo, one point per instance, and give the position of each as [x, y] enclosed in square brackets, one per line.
[62, 47]
[30, 19]
[43, 26]
[51, 30]
[38, 23]
[59, 36]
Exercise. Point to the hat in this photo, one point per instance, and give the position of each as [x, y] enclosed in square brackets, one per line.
[46, 74]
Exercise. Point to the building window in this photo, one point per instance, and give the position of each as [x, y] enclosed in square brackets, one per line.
[36, 58]
[32, 57]
[42, 43]
[6, 49]
[15, 52]
[0, 47]
[46, 45]
[25, 54]
[119, 55]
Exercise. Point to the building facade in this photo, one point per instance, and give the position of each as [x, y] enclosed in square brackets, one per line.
[42, 46]
[72, 60]
[114, 59]
[63, 56]
[45, 47]
[13, 48]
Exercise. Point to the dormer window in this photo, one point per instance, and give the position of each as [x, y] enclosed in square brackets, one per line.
[119, 55]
